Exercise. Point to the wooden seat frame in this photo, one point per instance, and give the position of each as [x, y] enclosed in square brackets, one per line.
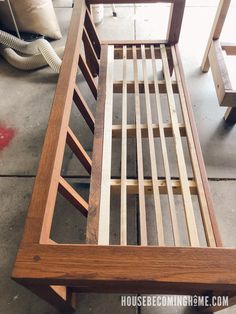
[214, 59]
[57, 272]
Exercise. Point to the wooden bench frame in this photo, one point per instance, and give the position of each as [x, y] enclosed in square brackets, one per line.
[214, 59]
[56, 272]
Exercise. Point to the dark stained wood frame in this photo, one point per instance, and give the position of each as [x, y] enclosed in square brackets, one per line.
[56, 272]
[214, 59]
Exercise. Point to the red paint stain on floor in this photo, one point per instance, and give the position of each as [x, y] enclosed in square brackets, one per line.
[6, 135]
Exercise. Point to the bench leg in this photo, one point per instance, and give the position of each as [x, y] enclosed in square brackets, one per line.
[58, 296]
[205, 64]
[230, 115]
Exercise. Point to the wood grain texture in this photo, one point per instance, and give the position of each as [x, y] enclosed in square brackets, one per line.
[152, 153]
[43, 199]
[123, 190]
[95, 186]
[187, 200]
[162, 134]
[141, 194]
[104, 210]
[132, 186]
[56, 271]
[128, 268]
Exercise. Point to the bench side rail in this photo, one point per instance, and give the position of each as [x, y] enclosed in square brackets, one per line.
[49, 181]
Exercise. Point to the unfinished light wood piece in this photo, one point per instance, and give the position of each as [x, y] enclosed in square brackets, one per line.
[175, 246]
[214, 58]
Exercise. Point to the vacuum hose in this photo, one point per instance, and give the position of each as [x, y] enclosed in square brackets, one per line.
[40, 53]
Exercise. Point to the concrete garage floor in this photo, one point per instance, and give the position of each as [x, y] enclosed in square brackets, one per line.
[25, 102]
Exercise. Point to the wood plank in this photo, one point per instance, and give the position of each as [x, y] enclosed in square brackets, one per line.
[216, 30]
[40, 213]
[175, 21]
[91, 57]
[142, 207]
[130, 87]
[199, 153]
[72, 196]
[104, 212]
[58, 296]
[156, 195]
[162, 135]
[187, 200]
[119, 51]
[78, 150]
[225, 93]
[120, 268]
[201, 194]
[91, 30]
[131, 130]
[229, 48]
[123, 202]
[84, 108]
[88, 76]
[95, 185]
[132, 186]
[219, 71]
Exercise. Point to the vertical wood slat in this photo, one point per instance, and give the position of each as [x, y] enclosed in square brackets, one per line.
[164, 153]
[72, 196]
[84, 108]
[199, 153]
[91, 30]
[187, 200]
[78, 150]
[91, 57]
[123, 204]
[201, 193]
[88, 76]
[142, 207]
[104, 214]
[156, 194]
[95, 186]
